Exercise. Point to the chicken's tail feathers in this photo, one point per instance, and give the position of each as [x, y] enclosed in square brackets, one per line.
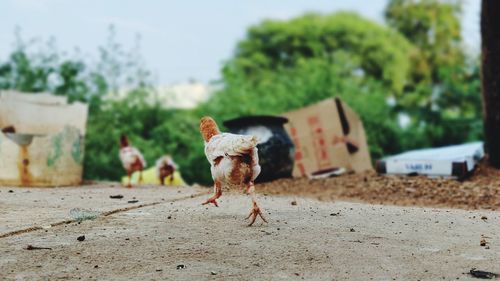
[245, 144]
[254, 140]
[250, 140]
[208, 128]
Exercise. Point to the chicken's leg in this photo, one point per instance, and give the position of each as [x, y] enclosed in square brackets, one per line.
[129, 185]
[140, 176]
[217, 194]
[255, 212]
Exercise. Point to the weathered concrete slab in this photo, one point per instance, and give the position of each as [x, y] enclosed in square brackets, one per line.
[31, 207]
[311, 240]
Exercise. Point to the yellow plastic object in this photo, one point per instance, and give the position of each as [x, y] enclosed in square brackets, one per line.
[149, 177]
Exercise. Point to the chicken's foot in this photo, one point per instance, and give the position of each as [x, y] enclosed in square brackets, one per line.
[217, 194]
[255, 212]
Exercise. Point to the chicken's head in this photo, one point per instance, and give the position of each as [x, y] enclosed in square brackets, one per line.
[124, 141]
[208, 128]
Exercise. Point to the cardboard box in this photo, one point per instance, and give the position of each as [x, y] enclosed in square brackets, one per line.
[41, 140]
[327, 136]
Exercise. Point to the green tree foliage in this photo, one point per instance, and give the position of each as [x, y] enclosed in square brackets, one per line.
[455, 114]
[433, 26]
[375, 51]
[35, 66]
[442, 95]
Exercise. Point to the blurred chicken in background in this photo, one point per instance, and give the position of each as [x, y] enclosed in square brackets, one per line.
[234, 162]
[150, 176]
[131, 158]
[165, 167]
[165, 172]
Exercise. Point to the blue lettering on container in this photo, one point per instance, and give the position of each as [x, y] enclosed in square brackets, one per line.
[419, 167]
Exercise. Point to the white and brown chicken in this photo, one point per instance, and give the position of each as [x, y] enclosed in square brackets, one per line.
[234, 162]
[131, 158]
[165, 168]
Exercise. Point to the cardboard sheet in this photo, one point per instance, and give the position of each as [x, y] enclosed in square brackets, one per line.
[327, 135]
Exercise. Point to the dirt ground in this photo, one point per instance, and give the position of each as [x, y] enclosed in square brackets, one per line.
[479, 191]
[169, 235]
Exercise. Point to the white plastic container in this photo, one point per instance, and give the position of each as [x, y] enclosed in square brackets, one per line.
[450, 161]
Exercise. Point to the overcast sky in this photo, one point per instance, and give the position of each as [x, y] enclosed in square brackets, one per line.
[182, 39]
